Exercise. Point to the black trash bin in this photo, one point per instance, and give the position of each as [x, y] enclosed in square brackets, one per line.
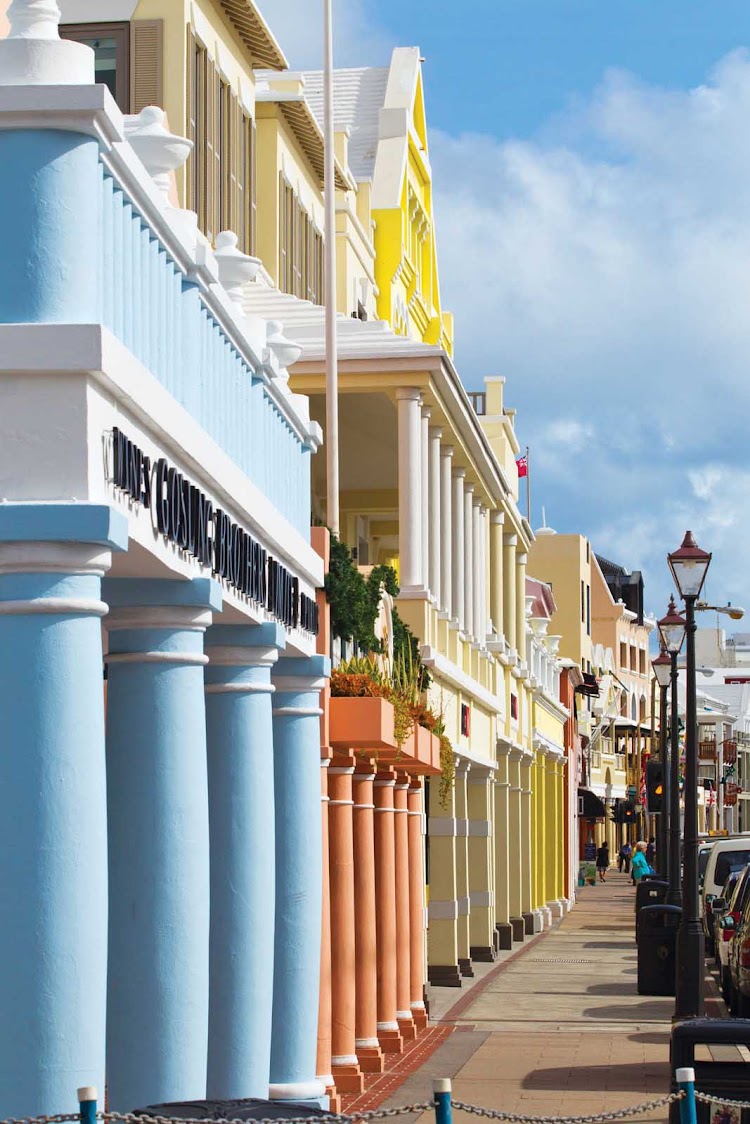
[250, 1108]
[649, 891]
[727, 1075]
[656, 934]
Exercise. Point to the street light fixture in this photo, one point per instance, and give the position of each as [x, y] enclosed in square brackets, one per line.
[689, 565]
[662, 666]
[672, 633]
[734, 612]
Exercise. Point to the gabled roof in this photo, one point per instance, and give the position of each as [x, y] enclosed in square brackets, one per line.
[358, 97]
[255, 33]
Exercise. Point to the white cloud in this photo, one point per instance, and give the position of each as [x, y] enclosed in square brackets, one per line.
[298, 27]
[604, 268]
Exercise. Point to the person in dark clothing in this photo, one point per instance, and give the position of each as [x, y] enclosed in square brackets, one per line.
[602, 861]
[623, 859]
[651, 851]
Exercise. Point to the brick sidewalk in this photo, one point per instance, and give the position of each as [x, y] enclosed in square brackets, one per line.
[560, 1028]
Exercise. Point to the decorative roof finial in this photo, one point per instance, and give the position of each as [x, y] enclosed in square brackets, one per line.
[33, 54]
[34, 19]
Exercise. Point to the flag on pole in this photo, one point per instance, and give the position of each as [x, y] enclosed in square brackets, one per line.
[522, 464]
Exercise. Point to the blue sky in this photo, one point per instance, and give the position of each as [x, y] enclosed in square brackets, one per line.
[591, 170]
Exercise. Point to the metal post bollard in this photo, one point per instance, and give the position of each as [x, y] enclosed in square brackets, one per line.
[87, 1104]
[441, 1088]
[686, 1080]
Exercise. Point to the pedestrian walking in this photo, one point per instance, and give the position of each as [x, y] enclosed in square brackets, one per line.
[602, 861]
[651, 851]
[640, 866]
[623, 858]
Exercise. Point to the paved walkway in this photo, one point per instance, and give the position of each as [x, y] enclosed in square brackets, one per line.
[558, 1028]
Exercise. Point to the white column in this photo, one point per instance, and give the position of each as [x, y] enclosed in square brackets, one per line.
[521, 605]
[469, 559]
[457, 546]
[446, 531]
[478, 572]
[496, 571]
[425, 499]
[409, 487]
[435, 524]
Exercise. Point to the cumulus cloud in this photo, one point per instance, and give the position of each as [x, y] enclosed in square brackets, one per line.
[298, 26]
[604, 268]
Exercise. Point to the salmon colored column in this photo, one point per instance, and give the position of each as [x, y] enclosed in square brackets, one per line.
[415, 821]
[389, 1034]
[320, 541]
[366, 1042]
[403, 914]
[345, 1066]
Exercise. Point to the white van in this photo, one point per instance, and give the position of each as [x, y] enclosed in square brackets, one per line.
[728, 853]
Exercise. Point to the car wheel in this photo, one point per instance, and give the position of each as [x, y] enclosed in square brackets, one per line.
[742, 1006]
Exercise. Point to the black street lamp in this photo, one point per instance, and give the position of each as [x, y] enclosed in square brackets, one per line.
[672, 633]
[689, 566]
[662, 667]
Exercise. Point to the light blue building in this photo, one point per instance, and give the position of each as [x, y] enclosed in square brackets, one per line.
[160, 879]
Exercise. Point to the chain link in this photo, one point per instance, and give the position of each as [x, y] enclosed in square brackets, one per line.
[323, 1118]
[708, 1098]
[58, 1118]
[619, 1114]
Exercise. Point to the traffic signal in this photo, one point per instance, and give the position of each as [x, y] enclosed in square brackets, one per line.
[654, 786]
[624, 811]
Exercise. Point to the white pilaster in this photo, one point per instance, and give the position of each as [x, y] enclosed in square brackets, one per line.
[425, 498]
[457, 547]
[446, 531]
[409, 487]
[469, 559]
[435, 524]
[496, 571]
[478, 571]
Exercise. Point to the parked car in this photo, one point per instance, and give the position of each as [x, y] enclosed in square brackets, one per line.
[738, 999]
[727, 911]
[727, 854]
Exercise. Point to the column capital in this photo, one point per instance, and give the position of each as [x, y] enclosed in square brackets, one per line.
[521, 559]
[459, 473]
[497, 517]
[154, 604]
[408, 394]
[446, 450]
[426, 413]
[306, 673]
[510, 540]
[435, 432]
[469, 488]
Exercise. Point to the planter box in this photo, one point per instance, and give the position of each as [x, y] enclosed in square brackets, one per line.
[362, 724]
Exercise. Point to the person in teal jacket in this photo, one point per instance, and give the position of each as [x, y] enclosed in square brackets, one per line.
[639, 866]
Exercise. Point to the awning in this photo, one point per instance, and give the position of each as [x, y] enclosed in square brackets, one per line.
[591, 806]
[589, 685]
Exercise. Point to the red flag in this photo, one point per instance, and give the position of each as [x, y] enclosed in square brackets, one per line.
[522, 464]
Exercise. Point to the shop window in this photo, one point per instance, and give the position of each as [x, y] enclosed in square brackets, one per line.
[221, 181]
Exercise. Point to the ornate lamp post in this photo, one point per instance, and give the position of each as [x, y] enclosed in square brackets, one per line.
[672, 633]
[689, 565]
[662, 668]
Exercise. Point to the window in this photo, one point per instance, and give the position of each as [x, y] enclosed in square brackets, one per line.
[583, 601]
[221, 168]
[300, 248]
[623, 654]
[588, 610]
[641, 661]
[514, 706]
[111, 46]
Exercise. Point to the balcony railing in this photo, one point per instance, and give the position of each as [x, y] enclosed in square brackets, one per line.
[478, 399]
[707, 750]
[730, 752]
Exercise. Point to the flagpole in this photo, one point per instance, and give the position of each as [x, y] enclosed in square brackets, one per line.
[329, 188]
[528, 487]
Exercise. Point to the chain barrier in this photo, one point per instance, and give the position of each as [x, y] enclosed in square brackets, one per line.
[619, 1114]
[709, 1098]
[320, 1118]
[58, 1118]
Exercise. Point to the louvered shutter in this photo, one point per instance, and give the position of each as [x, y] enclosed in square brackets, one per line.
[146, 64]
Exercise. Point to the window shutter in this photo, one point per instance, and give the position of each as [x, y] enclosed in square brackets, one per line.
[146, 64]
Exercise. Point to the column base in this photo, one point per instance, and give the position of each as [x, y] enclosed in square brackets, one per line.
[483, 954]
[528, 924]
[419, 1014]
[518, 926]
[557, 910]
[464, 964]
[348, 1077]
[334, 1100]
[312, 1093]
[370, 1059]
[391, 1041]
[504, 934]
[444, 975]
[407, 1027]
